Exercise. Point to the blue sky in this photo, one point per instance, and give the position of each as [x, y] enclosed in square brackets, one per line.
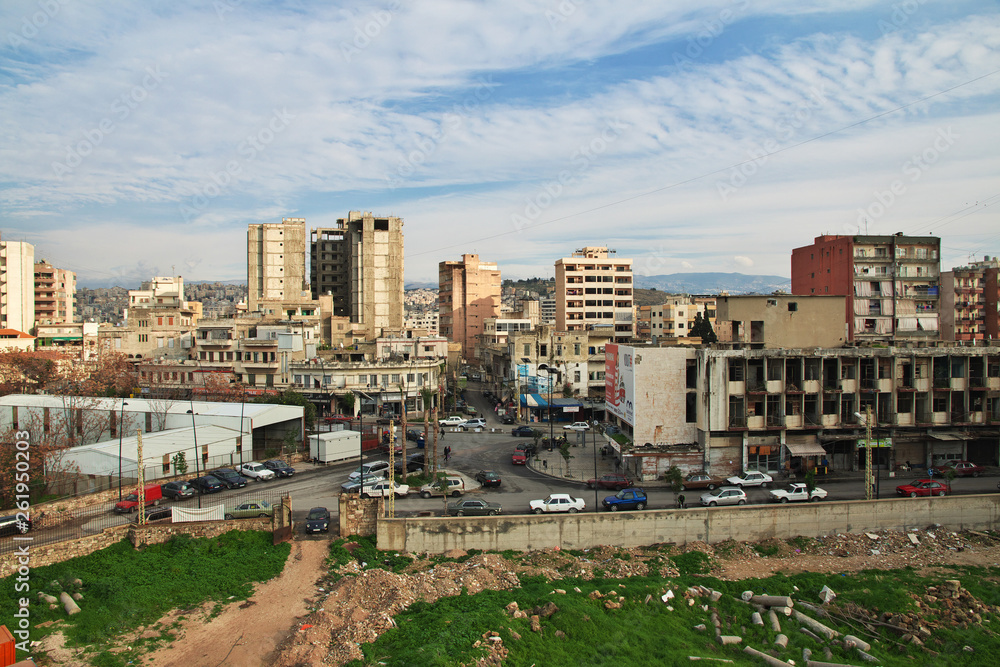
[140, 139]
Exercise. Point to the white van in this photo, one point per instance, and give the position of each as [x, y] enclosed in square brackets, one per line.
[455, 486]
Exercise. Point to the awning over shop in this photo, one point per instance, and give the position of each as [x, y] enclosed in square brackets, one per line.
[948, 435]
[533, 401]
[566, 404]
[805, 449]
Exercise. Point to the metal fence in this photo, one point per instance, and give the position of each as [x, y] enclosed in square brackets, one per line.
[49, 526]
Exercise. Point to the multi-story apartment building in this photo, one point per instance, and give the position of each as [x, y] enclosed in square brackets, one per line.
[674, 317]
[158, 322]
[17, 286]
[547, 310]
[426, 321]
[730, 410]
[593, 287]
[78, 339]
[468, 295]
[360, 264]
[781, 320]
[55, 290]
[276, 265]
[891, 283]
[970, 296]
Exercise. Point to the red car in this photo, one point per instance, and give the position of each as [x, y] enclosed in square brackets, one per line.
[336, 419]
[519, 458]
[961, 468]
[616, 482]
[924, 487]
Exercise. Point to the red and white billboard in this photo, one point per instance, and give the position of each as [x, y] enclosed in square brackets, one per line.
[619, 381]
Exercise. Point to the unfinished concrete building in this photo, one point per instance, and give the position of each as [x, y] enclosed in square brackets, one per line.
[468, 295]
[276, 265]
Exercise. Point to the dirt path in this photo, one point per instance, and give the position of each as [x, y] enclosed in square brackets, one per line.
[246, 634]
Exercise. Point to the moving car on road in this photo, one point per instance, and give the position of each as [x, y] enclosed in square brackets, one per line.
[924, 487]
[14, 525]
[558, 502]
[318, 520]
[256, 471]
[612, 481]
[626, 499]
[522, 431]
[700, 480]
[470, 507]
[796, 492]
[751, 478]
[724, 495]
[519, 458]
[577, 426]
[488, 478]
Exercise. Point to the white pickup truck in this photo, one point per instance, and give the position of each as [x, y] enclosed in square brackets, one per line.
[558, 502]
[796, 493]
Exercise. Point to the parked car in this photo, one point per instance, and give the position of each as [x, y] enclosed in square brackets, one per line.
[700, 480]
[558, 502]
[724, 495]
[796, 492]
[353, 486]
[528, 448]
[924, 487]
[155, 514]
[336, 419]
[961, 468]
[14, 525]
[380, 468]
[612, 481]
[577, 426]
[470, 507]
[626, 499]
[207, 484]
[130, 503]
[318, 520]
[177, 490]
[416, 436]
[256, 471]
[478, 422]
[280, 468]
[751, 478]
[453, 486]
[253, 508]
[488, 478]
[454, 420]
[522, 431]
[507, 419]
[383, 488]
[414, 463]
[519, 458]
[230, 478]
[469, 410]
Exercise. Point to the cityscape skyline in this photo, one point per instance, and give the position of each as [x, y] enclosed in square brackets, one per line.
[142, 142]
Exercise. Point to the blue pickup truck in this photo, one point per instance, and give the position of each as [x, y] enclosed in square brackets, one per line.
[632, 498]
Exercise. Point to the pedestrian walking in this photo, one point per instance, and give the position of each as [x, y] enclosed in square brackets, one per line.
[447, 453]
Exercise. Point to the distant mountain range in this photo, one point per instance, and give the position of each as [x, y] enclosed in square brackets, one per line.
[713, 283]
[420, 286]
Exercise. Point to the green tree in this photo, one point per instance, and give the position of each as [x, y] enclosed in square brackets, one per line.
[702, 328]
[347, 403]
[810, 480]
[180, 463]
[676, 480]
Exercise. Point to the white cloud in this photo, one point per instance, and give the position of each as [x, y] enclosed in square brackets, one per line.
[743, 261]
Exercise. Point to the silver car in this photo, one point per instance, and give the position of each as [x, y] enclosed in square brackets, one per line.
[724, 495]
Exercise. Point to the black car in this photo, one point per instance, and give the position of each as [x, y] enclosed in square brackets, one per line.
[318, 520]
[12, 525]
[488, 478]
[522, 431]
[155, 514]
[414, 462]
[528, 448]
[177, 490]
[207, 484]
[280, 468]
[230, 478]
[507, 419]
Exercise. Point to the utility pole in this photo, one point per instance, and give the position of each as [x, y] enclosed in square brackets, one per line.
[869, 478]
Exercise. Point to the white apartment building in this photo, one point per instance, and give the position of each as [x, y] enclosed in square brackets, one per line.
[594, 288]
[17, 286]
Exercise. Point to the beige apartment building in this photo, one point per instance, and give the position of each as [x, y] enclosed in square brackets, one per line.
[781, 321]
[359, 263]
[17, 286]
[675, 317]
[468, 295]
[158, 322]
[594, 289]
[276, 265]
[969, 302]
[55, 294]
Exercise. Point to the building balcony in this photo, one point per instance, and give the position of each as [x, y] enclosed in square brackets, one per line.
[259, 342]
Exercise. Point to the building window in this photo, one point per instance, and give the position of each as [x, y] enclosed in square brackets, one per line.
[793, 306]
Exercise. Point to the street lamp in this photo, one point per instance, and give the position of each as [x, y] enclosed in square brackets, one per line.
[594, 429]
[867, 417]
[194, 432]
[121, 432]
[548, 372]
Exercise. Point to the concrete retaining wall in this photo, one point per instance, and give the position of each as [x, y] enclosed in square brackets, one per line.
[632, 529]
